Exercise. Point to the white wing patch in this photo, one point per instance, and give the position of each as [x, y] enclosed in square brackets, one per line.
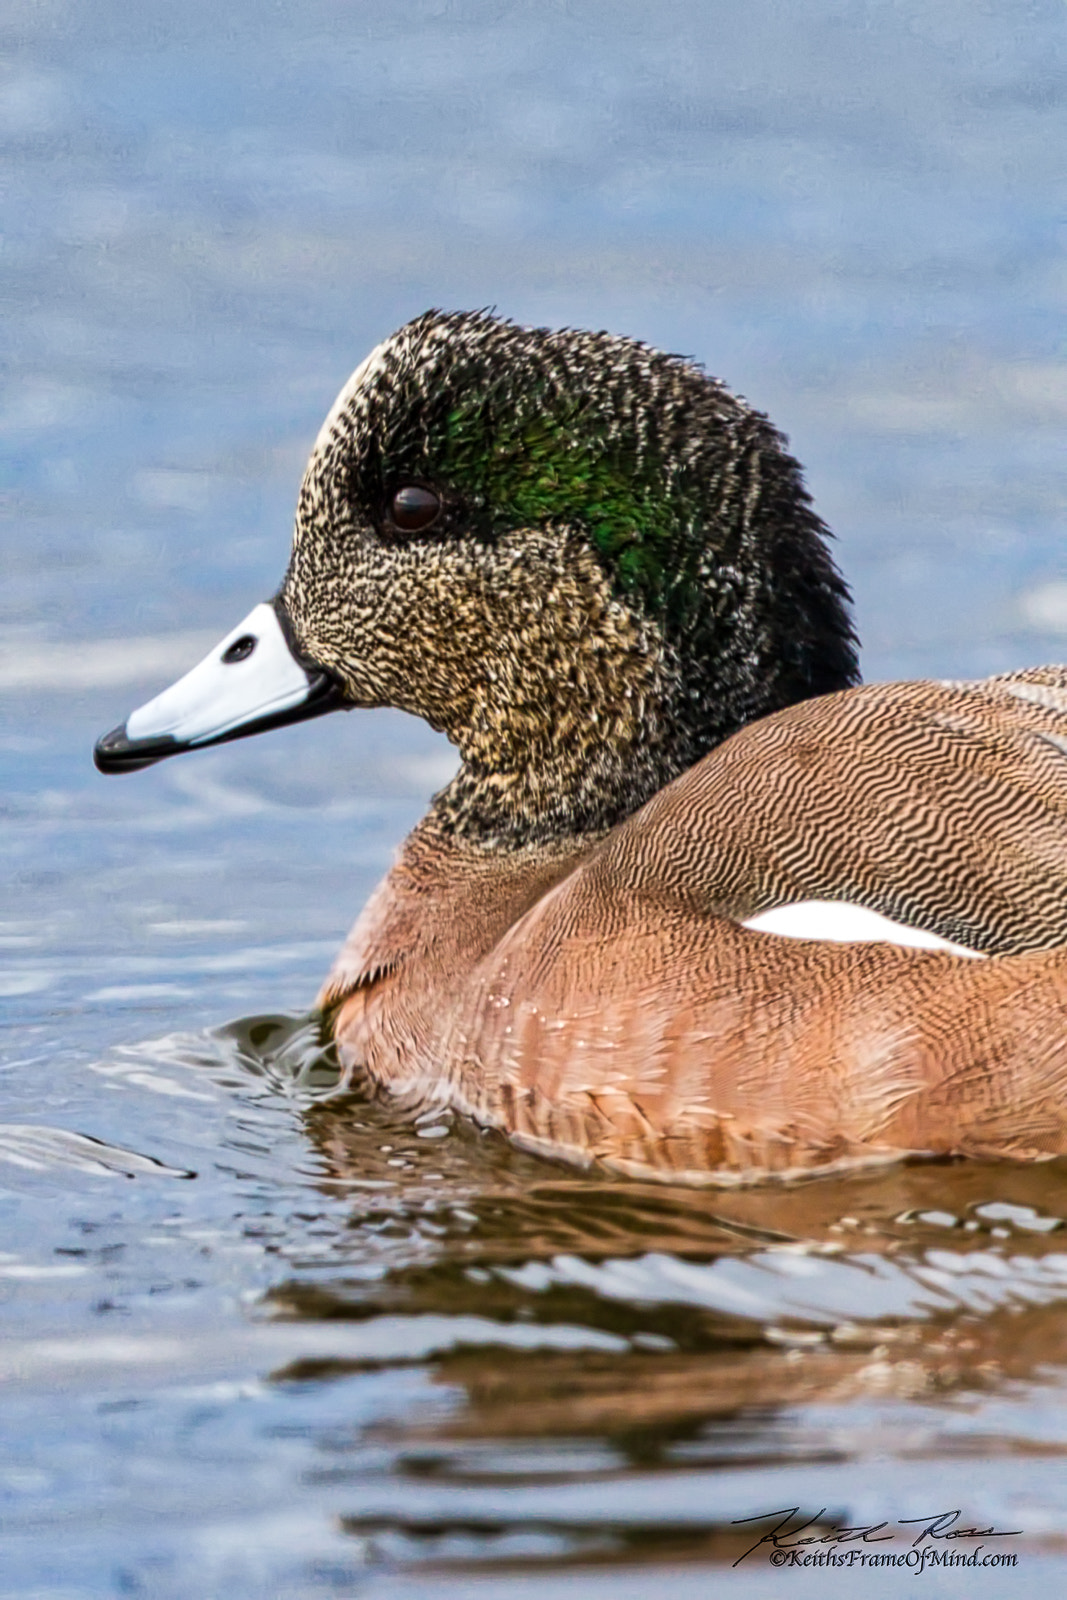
[844, 923]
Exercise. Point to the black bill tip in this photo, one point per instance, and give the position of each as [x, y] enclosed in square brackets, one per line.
[116, 752]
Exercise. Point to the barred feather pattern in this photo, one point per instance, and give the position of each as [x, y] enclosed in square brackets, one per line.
[603, 1004]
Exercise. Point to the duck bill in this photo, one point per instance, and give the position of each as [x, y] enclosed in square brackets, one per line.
[253, 680]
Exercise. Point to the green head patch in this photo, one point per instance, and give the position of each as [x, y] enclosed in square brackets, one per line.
[686, 496]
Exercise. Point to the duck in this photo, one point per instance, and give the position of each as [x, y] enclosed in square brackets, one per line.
[698, 905]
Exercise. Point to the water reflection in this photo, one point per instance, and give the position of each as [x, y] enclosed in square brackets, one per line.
[448, 1357]
[586, 1337]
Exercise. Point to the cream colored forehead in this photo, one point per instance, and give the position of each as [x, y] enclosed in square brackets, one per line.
[366, 370]
[402, 347]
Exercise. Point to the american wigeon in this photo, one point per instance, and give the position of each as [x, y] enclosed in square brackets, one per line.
[695, 905]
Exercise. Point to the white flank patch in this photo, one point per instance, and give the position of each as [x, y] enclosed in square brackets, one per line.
[843, 923]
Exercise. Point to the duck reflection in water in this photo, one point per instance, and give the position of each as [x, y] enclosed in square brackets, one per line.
[651, 1329]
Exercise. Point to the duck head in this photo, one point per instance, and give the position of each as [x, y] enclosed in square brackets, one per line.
[583, 560]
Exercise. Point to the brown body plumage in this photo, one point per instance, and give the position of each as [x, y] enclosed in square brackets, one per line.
[600, 574]
[606, 1005]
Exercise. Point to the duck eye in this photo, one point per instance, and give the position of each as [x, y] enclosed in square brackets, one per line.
[414, 508]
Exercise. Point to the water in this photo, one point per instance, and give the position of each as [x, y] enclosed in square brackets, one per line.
[260, 1337]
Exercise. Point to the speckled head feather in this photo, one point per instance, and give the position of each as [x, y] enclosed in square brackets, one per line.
[626, 567]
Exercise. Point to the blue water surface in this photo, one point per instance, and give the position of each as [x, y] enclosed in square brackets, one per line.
[257, 1340]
